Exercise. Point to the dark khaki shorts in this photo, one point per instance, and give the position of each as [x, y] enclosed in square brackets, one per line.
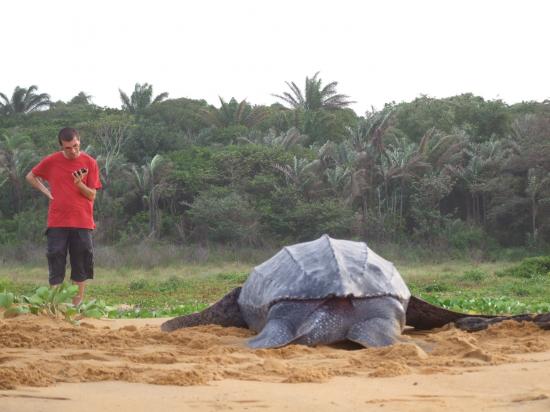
[78, 243]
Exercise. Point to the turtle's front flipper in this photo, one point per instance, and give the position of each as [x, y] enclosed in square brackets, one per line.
[424, 315]
[474, 324]
[225, 312]
[470, 324]
[375, 332]
[543, 320]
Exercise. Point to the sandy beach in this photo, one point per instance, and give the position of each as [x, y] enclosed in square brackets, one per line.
[130, 365]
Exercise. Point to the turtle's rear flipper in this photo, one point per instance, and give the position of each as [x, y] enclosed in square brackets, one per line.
[375, 332]
[225, 312]
[276, 333]
[283, 319]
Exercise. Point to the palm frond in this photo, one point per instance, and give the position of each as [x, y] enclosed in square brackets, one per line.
[126, 103]
[160, 98]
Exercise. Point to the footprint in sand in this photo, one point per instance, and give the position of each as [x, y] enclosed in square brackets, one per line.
[85, 356]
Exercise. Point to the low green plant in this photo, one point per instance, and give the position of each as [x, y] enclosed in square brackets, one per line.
[520, 290]
[233, 277]
[436, 287]
[172, 284]
[5, 284]
[168, 311]
[94, 309]
[139, 284]
[9, 302]
[52, 301]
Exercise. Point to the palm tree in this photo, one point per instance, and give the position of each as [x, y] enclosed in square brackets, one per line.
[316, 96]
[285, 140]
[81, 98]
[141, 98]
[297, 174]
[110, 138]
[538, 190]
[530, 157]
[233, 113]
[151, 183]
[24, 101]
[367, 140]
[15, 160]
[401, 163]
[339, 181]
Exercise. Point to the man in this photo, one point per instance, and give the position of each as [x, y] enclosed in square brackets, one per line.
[73, 178]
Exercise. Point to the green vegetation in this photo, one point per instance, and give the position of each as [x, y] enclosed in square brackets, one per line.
[537, 268]
[141, 297]
[455, 174]
[52, 302]
[176, 290]
[488, 288]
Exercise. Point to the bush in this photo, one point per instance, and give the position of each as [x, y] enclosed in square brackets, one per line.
[474, 275]
[28, 226]
[7, 231]
[308, 221]
[534, 267]
[383, 227]
[464, 237]
[136, 228]
[220, 214]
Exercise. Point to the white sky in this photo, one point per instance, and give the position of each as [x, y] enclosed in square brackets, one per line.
[378, 51]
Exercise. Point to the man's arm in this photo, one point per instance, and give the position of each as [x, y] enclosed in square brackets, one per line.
[36, 182]
[85, 191]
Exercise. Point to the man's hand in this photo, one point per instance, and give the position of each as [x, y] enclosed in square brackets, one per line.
[84, 190]
[79, 175]
[36, 182]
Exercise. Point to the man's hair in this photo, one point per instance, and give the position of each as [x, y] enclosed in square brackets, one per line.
[67, 134]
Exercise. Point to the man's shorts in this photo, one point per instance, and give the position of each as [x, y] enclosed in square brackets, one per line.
[78, 243]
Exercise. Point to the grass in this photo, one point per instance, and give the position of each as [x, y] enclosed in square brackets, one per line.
[176, 288]
[491, 288]
[154, 292]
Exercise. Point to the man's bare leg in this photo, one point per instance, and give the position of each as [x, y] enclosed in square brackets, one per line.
[77, 300]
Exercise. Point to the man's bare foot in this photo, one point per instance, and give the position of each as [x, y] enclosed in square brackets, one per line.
[77, 300]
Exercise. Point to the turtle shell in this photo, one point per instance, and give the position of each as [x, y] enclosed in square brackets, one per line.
[320, 269]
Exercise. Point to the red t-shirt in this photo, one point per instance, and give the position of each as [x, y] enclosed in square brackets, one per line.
[69, 208]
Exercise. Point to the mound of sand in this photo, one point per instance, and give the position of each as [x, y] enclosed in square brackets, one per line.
[129, 365]
[38, 351]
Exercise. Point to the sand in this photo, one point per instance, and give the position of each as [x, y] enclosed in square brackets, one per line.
[130, 365]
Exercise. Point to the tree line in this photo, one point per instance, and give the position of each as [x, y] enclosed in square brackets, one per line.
[460, 171]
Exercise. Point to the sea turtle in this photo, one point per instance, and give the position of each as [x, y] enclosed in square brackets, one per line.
[325, 291]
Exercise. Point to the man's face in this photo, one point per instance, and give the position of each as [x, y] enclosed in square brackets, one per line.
[71, 149]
